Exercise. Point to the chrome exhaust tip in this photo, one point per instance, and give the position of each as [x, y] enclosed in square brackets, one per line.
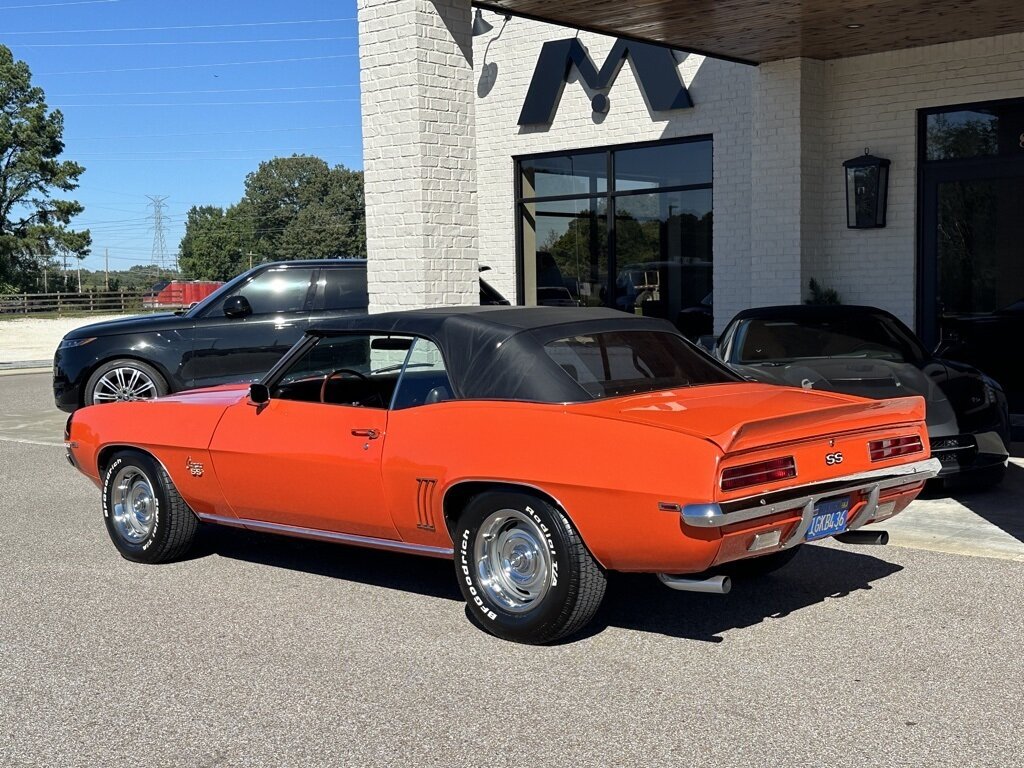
[868, 538]
[715, 585]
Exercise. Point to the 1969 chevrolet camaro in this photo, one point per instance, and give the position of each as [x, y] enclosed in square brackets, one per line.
[538, 448]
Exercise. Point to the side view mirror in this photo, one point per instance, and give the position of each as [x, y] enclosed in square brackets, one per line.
[259, 394]
[237, 306]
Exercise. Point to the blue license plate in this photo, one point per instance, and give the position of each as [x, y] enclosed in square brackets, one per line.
[829, 518]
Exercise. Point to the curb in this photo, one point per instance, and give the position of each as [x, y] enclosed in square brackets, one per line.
[25, 366]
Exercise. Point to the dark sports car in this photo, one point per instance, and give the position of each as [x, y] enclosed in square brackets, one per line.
[985, 341]
[868, 352]
[235, 334]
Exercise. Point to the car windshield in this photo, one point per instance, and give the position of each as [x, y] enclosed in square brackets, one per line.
[781, 341]
[616, 363]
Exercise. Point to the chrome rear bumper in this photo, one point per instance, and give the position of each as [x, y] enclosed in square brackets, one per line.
[805, 497]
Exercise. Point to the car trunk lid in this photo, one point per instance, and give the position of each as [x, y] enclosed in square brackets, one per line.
[747, 416]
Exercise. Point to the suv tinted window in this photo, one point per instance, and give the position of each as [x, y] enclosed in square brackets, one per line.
[343, 288]
[282, 289]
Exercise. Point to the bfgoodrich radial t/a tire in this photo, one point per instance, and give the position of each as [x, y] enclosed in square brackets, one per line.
[146, 518]
[523, 568]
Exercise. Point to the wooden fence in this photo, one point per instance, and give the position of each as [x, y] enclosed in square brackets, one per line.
[107, 302]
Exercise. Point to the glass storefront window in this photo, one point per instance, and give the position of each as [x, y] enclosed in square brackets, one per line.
[988, 131]
[569, 241]
[663, 165]
[558, 175]
[641, 244]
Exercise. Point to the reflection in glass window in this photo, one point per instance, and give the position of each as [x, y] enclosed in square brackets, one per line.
[626, 362]
[993, 130]
[570, 245]
[278, 290]
[344, 288]
[641, 244]
[424, 380]
[663, 165]
[663, 253]
[575, 174]
[351, 369]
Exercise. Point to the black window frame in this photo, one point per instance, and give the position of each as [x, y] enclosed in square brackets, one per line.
[929, 174]
[610, 196]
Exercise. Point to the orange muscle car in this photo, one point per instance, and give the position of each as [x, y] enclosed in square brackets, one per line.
[536, 447]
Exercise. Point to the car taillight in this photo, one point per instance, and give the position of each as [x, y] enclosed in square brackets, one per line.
[891, 447]
[761, 472]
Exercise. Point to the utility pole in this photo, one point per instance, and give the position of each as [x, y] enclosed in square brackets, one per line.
[106, 269]
[250, 255]
[79, 275]
[159, 255]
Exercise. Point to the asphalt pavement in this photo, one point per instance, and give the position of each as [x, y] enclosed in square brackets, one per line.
[268, 651]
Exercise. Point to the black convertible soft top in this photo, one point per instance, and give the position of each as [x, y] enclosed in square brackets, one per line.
[497, 352]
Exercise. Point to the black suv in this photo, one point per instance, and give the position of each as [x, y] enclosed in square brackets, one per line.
[235, 334]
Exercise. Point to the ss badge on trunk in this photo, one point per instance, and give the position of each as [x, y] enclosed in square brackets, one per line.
[834, 458]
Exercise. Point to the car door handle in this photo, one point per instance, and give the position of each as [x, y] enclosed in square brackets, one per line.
[370, 434]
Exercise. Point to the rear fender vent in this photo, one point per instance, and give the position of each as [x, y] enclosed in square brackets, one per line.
[425, 487]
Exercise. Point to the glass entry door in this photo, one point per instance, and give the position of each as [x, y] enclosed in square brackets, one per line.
[972, 239]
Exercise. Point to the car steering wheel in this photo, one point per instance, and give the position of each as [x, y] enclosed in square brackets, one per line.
[335, 373]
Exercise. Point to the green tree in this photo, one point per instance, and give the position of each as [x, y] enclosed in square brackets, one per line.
[216, 242]
[294, 207]
[34, 226]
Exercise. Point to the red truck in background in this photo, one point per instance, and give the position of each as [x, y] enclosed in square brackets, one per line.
[178, 294]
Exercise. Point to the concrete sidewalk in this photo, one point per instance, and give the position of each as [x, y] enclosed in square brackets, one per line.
[29, 342]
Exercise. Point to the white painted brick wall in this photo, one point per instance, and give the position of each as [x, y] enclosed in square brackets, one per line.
[417, 84]
[872, 101]
[781, 133]
[505, 60]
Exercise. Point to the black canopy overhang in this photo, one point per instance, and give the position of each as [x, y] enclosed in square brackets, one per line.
[497, 352]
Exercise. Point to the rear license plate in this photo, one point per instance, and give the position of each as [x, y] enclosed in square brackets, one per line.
[829, 518]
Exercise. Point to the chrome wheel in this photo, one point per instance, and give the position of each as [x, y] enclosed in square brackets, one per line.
[513, 561]
[133, 505]
[120, 384]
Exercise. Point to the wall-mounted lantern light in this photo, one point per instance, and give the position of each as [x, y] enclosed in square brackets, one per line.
[867, 191]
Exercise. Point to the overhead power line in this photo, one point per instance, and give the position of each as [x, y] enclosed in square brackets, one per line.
[217, 133]
[205, 103]
[181, 26]
[199, 66]
[187, 42]
[55, 5]
[287, 150]
[207, 90]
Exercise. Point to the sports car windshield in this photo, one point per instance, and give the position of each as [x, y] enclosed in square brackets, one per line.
[763, 340]
[614, 363]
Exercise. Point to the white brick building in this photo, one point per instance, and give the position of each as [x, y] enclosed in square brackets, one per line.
[451, 173]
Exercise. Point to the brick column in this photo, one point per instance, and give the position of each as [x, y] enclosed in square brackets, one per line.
[416, 74]
[786, 181]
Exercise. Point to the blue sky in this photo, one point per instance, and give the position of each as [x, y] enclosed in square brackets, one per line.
[172, 125]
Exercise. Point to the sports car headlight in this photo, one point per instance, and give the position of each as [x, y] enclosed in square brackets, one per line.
[68, 343]
[990, 393]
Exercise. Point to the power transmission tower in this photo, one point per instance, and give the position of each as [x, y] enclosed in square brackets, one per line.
[159, 256]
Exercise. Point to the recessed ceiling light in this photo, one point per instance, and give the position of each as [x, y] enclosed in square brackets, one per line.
[854, 26]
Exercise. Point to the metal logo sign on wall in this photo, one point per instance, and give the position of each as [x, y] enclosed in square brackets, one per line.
[653, 65]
